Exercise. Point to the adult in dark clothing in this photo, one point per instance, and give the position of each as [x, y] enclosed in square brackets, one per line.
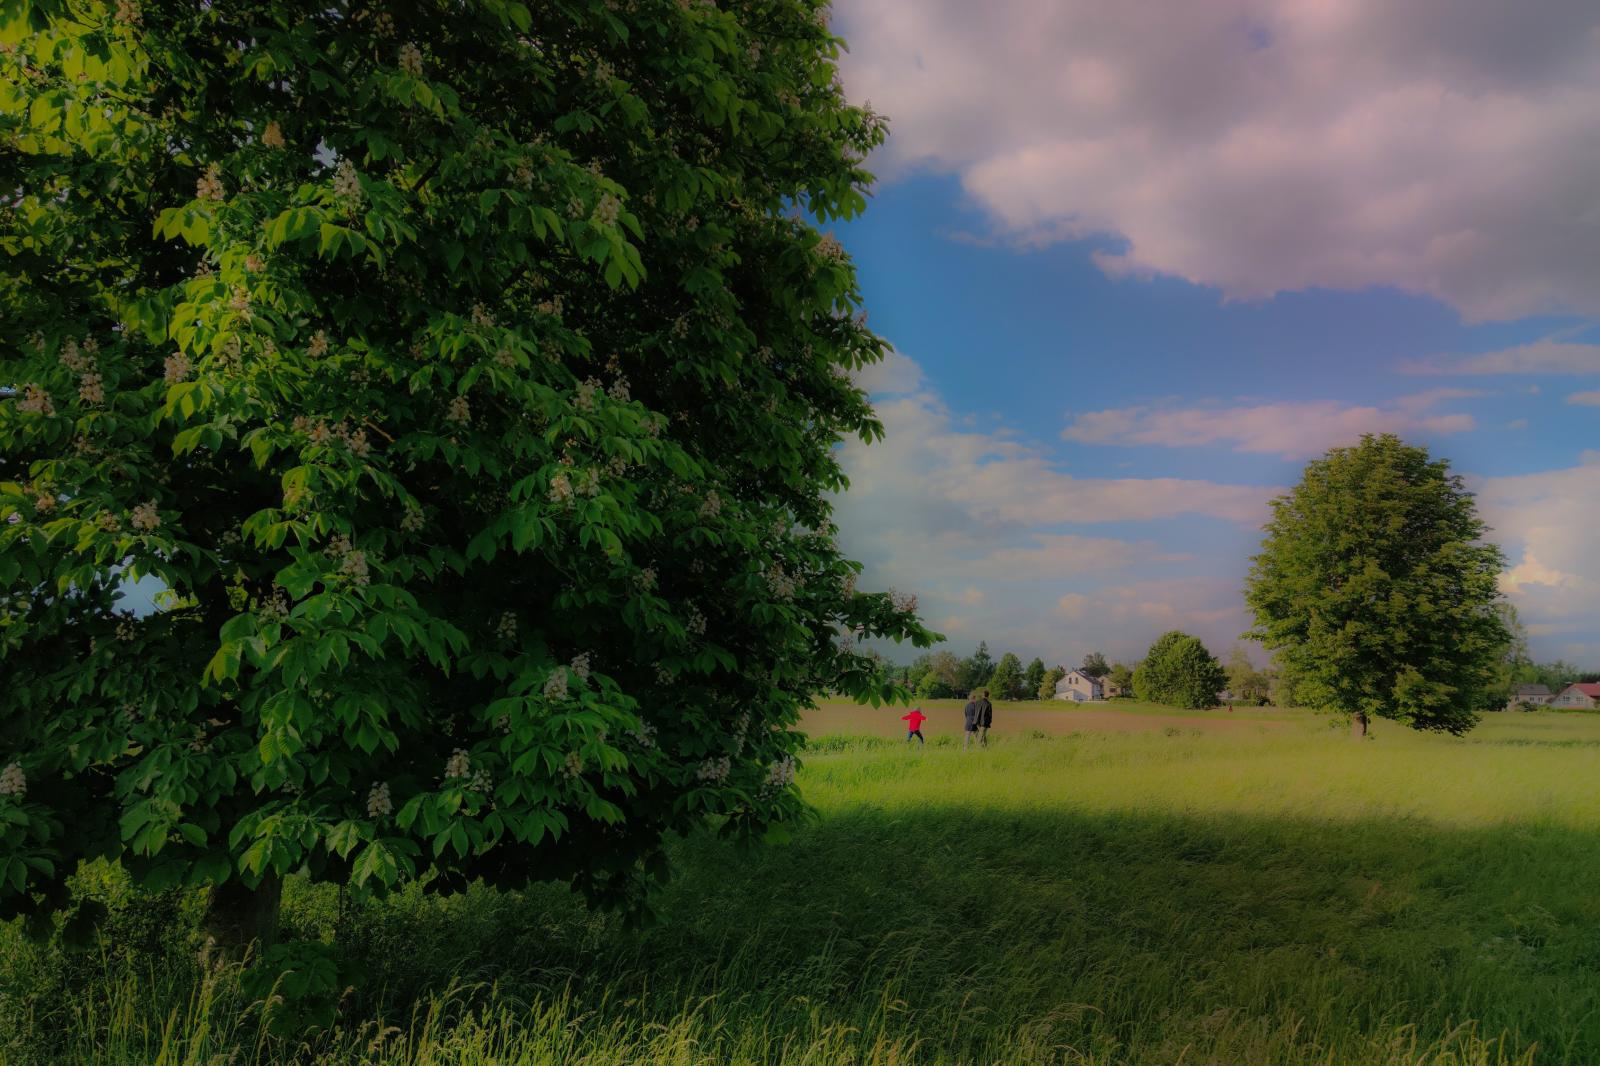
[969, 720]
[984, 717]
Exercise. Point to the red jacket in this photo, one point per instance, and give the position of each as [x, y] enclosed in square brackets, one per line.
[914, 720]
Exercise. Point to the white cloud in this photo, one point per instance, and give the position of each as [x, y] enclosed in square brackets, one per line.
[1445, 147]
[1546, 356]
[1292, 430]
[1546, 522]
[895, 374]
[991, 534]
[1585, 399]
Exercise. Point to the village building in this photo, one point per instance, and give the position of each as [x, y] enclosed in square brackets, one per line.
[1537, 695]
[1081, 688]
[1580, 696]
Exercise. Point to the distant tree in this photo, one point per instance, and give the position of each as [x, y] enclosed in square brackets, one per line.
[1047, 684]
[1180, 672]
[1032, 678]
[1246, 683]
[976, 669]
[1590, 678]
[1094, 665]
[1283, 687]
[940, 676]
[1375, 586]
[1121, 676]
[917, 671]
[1006, 681]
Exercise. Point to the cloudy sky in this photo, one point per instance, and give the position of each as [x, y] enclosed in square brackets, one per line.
[1141, 260]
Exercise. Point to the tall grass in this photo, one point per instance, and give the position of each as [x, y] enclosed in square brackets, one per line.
[1284, 897]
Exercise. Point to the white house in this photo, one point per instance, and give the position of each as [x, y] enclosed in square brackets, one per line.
[1580, 695]
[1080, 687]
[1538, 695]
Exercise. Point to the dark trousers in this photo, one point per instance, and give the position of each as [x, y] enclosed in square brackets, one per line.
[915, 733]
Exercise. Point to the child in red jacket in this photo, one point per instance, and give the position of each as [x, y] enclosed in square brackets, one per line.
[913, 723]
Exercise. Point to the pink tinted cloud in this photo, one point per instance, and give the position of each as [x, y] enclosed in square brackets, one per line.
[1446, 147]
[1291, 430]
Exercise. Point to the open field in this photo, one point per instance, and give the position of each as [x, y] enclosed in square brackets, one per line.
[1023, 718]
[1251, 896]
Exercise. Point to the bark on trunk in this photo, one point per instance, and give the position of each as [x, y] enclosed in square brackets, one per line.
[239, 920]
[1358, 725]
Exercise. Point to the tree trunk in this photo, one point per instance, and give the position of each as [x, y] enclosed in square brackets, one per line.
[239, 920]
[1358, 725]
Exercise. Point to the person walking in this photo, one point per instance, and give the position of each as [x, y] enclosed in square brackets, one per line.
[969, 721]
[984, 717]
[913, 723]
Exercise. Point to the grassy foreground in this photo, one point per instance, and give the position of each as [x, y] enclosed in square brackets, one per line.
[1251, 897]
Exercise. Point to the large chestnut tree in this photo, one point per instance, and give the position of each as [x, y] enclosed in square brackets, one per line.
[468, 377]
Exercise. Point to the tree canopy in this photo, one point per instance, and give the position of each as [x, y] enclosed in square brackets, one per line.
[1006, 681]
[469, 377]
[1095, 666]
[1180, 672]
[1376, 591]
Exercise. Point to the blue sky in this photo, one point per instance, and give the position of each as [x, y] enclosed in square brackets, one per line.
[1097, 384]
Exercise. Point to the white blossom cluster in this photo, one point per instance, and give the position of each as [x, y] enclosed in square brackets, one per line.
[583, 399]
[847, 587]
[347, 183]
[352, 561]
[561, 490]
[379, 805]
[91, 389]
[317, 347]
[411, 519]
[574, 765]
[607, 210]
[575, 207]
[145, 518]
[76, 359]
[128, 13]
[35, 401]
[712, 506]
[13, 782]
[904, 603]
[506, 627]
[714, 771]
[780, 775]
[830, 248]
[480, 781]
[459, 412]
[663, 675]
[644, 736]
[589, 482]
[619, 390]
[741, 730]
[481, 317]
[411, 59]
[458, 765]
[580, 666]
[697, 623]
[177, 368]
[209, 185]
[782, 585]
[276, 605]
[555, 686]
[272, 136]
[645, 579]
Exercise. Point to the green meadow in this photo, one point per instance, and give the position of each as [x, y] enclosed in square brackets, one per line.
[1274, 893]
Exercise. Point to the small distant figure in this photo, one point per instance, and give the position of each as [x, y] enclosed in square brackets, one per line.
[969, 721]
[985, 717]
[1230, 708]
[913, 723]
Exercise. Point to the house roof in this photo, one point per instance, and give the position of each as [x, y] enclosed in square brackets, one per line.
[1530, 690]
[1588, 688]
